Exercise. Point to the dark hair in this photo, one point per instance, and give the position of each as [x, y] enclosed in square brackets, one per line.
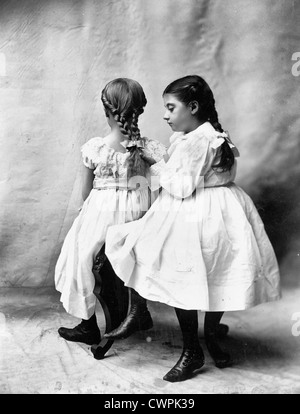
[125, 99]
[194, 88]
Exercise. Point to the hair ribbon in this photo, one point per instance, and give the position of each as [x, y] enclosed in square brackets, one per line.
[138, 143]
[227, 138]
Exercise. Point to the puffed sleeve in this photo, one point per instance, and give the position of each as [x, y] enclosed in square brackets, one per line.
[185, 169]
[154, 149]
[89, 152]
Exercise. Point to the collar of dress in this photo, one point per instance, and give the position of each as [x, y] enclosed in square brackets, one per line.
[207, 129]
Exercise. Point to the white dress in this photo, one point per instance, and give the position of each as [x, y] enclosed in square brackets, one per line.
[109, 202]
[202, 244]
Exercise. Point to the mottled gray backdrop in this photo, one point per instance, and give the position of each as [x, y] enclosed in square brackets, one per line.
[57, 55]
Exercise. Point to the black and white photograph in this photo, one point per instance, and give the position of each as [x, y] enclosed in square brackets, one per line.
[149, 199]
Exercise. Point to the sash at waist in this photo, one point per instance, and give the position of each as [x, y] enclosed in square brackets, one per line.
[117, 185]
[123, 185]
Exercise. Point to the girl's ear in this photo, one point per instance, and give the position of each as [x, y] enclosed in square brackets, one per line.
[194, 107]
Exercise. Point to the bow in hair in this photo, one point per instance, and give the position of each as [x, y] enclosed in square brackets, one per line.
[138, 143]
[226, 136]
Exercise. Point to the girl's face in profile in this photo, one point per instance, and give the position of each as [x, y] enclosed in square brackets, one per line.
[178, 115]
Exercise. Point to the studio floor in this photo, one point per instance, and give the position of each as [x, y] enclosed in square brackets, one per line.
[264, 343]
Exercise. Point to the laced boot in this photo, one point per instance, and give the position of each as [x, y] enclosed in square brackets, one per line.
[138, 319]
[87, 332]
[189, 361]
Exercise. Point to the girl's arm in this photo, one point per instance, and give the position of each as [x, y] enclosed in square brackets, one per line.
[185, 170]
[154, 152]
[152, 161]
[88, 178]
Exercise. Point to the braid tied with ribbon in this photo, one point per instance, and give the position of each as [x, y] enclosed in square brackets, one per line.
[125, 100]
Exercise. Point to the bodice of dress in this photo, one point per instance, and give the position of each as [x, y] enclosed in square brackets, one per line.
[192, 157]
[110, 166]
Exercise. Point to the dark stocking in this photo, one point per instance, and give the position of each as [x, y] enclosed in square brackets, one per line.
[192, 357]
[211, 324]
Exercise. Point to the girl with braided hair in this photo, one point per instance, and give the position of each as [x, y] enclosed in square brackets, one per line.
[202, 244]
[115, 191]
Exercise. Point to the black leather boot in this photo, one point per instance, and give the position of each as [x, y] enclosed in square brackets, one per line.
[192, 357]
[87, 332]
[211, 335]
[190, 361]
[138, 319]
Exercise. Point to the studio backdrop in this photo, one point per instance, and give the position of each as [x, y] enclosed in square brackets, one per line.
[57, 55]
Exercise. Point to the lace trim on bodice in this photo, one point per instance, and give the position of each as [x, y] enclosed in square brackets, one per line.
[108, 163]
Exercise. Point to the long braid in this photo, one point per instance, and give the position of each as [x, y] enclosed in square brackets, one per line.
[227, 158]
[123, 125]
[134, 126]
[135, 164]
[213, 116]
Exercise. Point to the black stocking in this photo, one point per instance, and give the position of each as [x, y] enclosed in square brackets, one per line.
[188, 321]
[192, 357]
[211, 324]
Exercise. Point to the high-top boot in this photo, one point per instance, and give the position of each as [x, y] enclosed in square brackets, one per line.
[211, 324]
[138, 319]
[192, 357]
[87, 332]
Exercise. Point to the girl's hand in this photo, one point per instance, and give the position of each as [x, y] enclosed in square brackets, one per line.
[149, 160]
